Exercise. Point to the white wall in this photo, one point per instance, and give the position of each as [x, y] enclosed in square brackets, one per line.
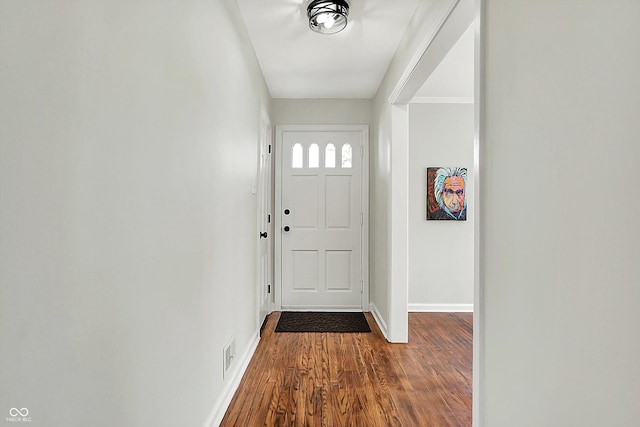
[559, 217]
[421, 25]
[440, 252]
[379, 178]
[321, 111]
[128, 143]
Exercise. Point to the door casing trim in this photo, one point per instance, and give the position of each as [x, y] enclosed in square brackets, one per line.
[364, 130]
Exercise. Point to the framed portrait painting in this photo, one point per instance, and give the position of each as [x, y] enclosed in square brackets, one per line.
[446, 187]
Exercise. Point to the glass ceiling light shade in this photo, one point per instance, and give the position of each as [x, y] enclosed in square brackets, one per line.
[328, 16]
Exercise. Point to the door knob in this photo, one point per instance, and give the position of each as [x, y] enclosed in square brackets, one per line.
[263, 235]
[286, 228]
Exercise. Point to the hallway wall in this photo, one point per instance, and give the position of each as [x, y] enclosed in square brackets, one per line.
[560, 235]
[422, 23]
[321, 111]
[440, 252]
[128, 147]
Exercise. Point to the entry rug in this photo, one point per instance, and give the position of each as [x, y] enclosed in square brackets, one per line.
[316, 321]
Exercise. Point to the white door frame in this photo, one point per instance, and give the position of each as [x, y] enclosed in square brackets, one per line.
[280, 129]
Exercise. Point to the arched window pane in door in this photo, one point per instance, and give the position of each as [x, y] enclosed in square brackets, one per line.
[296, 156]
[314, 156]
[330, 156]
[346, 156]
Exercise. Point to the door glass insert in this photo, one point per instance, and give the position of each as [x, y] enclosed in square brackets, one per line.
[346, 156]
[330, 156]
[296, 156]
[314, 156]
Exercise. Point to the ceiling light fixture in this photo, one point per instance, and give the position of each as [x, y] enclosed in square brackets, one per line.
[328, 16]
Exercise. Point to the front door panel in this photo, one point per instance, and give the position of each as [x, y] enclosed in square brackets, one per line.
[321, 218]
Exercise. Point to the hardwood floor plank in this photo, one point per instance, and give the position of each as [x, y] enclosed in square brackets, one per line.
[359, 379]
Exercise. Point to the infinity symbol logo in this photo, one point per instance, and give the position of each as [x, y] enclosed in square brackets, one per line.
[14, 412]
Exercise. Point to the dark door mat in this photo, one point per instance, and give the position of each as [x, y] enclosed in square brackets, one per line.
[316, 321]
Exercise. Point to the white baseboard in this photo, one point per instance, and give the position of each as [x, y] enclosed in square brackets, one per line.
[379, 320]
[221, 405]
[441, 308]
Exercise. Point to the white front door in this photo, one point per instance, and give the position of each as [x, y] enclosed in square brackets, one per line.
[322, 218]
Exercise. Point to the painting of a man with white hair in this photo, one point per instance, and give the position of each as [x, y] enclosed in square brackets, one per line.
[446, 193]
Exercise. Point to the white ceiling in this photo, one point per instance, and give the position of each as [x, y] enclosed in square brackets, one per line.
[298, 63]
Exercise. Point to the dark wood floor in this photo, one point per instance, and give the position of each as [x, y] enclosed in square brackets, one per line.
[359, 379]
